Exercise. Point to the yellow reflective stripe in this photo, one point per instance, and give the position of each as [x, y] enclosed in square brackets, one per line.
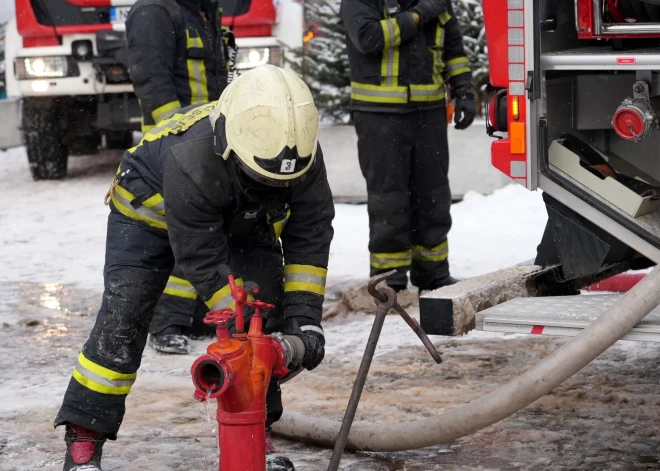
[180, 288]
[378, 93]
[439, 253]
[103, 371]
[176, 124]
[306, 269]
[222, 299]
[165, 111]
[122, 198]
[100, 388]
[196, 72]
[444, 18]
[427, 93]
[305, 278]
[304, 286]
[458, 66]
[391, 33]
[101, 379]
[278, 226]
[391, 259]
[147, 127]
[156, 203]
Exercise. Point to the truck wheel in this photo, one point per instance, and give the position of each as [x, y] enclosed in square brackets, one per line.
[119, 139]
[84, 145]
[46, 154]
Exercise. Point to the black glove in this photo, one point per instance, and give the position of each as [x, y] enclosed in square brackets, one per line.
[429, 9]
[465, 110]
[311, 335]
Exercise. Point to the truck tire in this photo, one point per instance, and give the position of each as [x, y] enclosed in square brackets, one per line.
[121, 140]
[47, 155]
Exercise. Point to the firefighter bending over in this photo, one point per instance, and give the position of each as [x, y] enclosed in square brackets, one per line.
[401, 54]
[177, 58]
[215, 187]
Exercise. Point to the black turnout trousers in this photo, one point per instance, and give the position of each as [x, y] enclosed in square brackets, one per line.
[138, 262]
[404, 157]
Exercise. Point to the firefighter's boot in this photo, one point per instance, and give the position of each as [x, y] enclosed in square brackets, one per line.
[83, 449]
[276, 462]
[170, 340]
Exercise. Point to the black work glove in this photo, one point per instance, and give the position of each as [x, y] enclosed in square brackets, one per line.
[311, 334]
[465, 110]
[429, 9]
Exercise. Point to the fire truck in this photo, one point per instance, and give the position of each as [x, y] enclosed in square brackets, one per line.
[67, 63]
[573, 111]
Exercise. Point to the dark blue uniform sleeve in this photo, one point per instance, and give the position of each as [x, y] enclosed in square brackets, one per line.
[152, 39]
[306, 244]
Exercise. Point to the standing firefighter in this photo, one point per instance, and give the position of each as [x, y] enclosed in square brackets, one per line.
[215, 187]
[177, 58]
[402, 54]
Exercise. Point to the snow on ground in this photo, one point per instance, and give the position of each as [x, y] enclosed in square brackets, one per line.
[51, 255]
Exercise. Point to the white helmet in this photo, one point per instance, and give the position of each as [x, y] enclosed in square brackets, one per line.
[267, 117]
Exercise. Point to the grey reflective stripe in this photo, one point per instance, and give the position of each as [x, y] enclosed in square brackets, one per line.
[160, 206]
[458, 65]
[407, 258]
[389, 80]
[186, 288]
[198, 96]
[417, 92]
[141, 210]
[441, 43]
[117, 383]
[430, 253]
[222, 303]
[379, 93]
[312, 328]
[305, 278]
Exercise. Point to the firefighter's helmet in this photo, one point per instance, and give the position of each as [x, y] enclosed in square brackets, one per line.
[268, 120]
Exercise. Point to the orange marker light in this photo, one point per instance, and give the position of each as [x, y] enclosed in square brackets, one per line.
[517, 138]
[515, 108]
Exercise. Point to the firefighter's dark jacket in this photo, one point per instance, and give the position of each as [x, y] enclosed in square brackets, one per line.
[397, 65]
[176, 58]
[174, 180]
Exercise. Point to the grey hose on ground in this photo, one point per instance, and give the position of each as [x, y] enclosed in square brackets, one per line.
[579, 351]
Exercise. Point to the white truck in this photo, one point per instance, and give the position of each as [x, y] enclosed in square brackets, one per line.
[68, 87]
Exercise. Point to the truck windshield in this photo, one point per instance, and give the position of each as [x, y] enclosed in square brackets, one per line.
[236, 7]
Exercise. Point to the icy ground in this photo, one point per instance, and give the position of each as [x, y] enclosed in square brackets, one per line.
[51, 255]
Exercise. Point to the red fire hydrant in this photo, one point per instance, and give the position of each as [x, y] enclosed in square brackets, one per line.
[236, 371]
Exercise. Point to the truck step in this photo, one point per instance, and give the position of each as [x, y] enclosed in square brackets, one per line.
[564, 316]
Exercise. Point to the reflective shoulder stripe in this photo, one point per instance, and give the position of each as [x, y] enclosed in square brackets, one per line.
[156, 203]
[165, 111]
[101, 379]
[122, 198]
[439, 253]
[180, 288]
[222, 298]
[305, 278]
[176, 124]
[386, 260]
[193, 41]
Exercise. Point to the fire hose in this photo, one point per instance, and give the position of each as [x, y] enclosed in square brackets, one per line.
[506, 400]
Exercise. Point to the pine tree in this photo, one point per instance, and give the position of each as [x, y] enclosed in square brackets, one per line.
[471, 19]
[323, 62]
